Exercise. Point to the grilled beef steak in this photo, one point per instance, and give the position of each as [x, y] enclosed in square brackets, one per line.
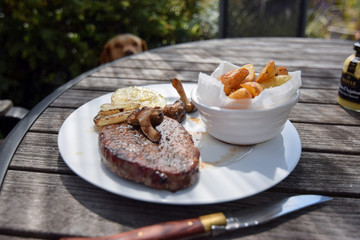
[171, 164]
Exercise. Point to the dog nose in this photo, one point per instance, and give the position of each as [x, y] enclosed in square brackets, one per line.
[128, 52]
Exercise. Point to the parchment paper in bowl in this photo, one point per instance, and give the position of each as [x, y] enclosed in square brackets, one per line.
[210, 91]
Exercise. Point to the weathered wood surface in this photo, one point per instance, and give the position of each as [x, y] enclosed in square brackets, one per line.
[42, 198]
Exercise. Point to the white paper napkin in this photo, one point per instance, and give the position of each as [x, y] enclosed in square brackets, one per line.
[210, 91]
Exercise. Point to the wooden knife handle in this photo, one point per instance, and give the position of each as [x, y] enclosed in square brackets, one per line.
[168, 230]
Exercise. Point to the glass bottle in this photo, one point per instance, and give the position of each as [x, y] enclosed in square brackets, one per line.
[349, 89]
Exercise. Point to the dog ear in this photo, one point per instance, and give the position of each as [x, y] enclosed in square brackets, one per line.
[144, 45]
[105, 55]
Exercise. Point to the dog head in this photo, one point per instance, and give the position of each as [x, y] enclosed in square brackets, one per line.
[121, 46]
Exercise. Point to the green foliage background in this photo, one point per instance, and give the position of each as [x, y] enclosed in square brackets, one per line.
[43, 43]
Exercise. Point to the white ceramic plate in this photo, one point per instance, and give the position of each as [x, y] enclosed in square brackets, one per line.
[227, 172]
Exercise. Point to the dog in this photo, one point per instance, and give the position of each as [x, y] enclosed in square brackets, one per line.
[122, 45]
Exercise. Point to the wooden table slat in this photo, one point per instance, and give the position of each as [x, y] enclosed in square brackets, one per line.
[104, 213]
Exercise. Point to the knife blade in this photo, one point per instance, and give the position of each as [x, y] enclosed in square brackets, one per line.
[217, 223]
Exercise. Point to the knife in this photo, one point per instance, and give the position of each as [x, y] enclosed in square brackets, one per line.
[217, 223]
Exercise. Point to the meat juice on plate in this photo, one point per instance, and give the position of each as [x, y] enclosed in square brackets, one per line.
[213, 153]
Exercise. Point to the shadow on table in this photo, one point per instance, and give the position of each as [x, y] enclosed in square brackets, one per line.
[134, 214]
[353, 113]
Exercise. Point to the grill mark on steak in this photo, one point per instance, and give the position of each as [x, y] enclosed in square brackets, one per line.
[171, 164]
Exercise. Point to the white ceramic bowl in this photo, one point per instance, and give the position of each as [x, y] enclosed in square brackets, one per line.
[244, 126]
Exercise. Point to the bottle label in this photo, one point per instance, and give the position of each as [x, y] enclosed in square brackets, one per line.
[349, 87]
[352, 65]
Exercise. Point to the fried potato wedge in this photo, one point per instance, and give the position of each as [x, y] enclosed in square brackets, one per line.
[251, 76]
[276, 81]
[267, 73]
[254, 88]
[241, 93]
[101, 120]
[233, 79]
[281, 71]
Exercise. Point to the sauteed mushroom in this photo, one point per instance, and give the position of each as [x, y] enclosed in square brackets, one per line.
[147, 118]
[189, 106]
[175, 110]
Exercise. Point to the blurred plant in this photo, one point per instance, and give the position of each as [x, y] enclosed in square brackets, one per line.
[339, 14]
[46, 43]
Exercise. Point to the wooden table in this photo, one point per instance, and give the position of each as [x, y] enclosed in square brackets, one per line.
[42, 198]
